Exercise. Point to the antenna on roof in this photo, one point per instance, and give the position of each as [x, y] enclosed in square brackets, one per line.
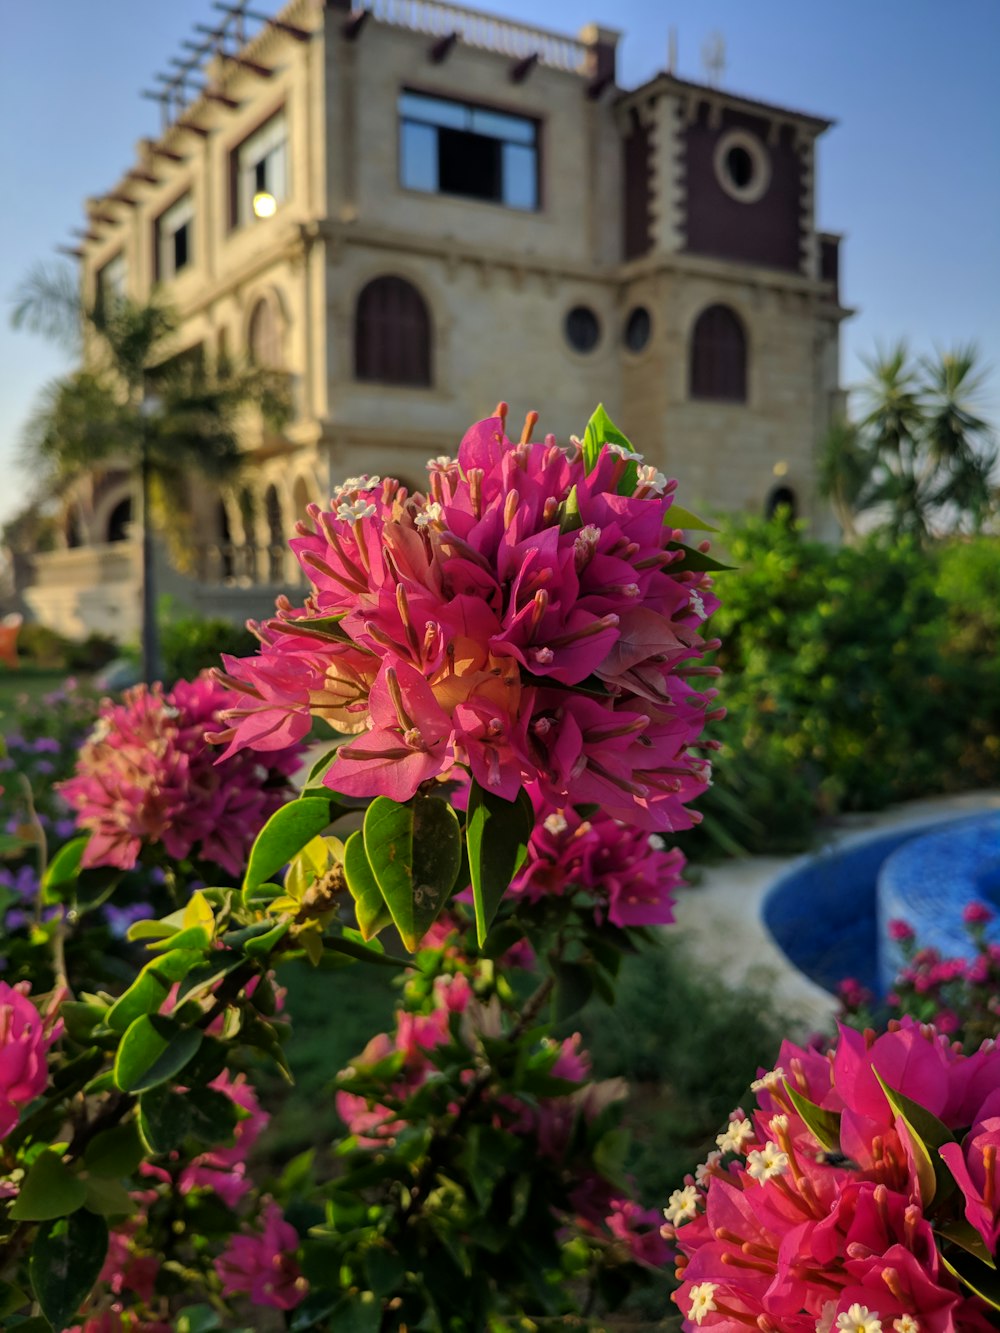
[713, 58]
[672, 50]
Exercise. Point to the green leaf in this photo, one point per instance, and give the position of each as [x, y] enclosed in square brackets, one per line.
[151, 987]
[152, 1051]
[50, 1190]
[153, 930]
[259, 946]
[314, 782]
[64, 869]
[574, 987]
[114, 1152]
[695, 560]
[365, 953]
[927, 1134]
[982, 1281]
[823, 1125]
[109, 1198]
[285, 833]
[678, 517]
[496, 833]
[370, 907]
[414, 851]
[192, 937]
[569, 512]
[203, 978]
[963, 1233]
[361, 1312]
[66, 1259]
[602, 430]
[197, 1319]
[167, 1118]
[12, 1299]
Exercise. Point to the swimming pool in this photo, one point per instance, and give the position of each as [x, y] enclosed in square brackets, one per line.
[824, 911]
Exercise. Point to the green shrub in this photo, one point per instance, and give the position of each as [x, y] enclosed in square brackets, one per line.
[42, 647]
[189, 645]
[854, 677]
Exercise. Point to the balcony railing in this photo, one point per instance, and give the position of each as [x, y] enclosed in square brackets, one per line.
[239, 565]
[516, 40]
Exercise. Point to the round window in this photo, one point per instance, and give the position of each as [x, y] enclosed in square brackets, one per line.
[742, 166]
[583, 330]
[638, 327]
[739, 164]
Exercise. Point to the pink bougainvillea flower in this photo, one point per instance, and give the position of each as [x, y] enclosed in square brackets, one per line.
[520, 623]
[626, 872]
[639, 1228]
[25, 1039]
[148, 776]
[262, 1264]
[780, 1234]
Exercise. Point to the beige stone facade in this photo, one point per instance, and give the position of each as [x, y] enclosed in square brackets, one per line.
[497, 281]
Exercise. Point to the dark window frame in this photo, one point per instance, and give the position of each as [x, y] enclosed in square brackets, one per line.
[156, 227]
[718, 366]
[470, 109]
[393, 334]
[234, 220]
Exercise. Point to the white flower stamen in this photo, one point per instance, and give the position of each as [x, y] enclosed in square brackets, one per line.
[735, 1136]
[859, 1319]
[768, 1162]
[682, 1205]
[702, 1302]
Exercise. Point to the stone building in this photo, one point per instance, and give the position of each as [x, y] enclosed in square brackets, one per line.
[415, 209]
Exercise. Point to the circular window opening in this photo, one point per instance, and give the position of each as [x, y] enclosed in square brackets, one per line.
[739, 164]
[583, 331]
[638, 327]
[742, 166]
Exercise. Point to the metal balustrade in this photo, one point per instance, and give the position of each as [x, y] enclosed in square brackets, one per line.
[486, 31]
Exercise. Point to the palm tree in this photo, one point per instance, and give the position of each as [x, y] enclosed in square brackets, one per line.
[134, 403]
[921, 459]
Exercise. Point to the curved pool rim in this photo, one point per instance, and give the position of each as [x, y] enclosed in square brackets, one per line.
[822, 912]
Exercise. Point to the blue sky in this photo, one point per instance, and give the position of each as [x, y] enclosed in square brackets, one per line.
[911, 172]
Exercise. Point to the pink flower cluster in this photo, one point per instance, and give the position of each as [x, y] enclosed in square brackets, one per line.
[148, 776]
[960, 996]
[523, 620]
[416, 1035]
[777, 1233]
[25, 1039]
[627, 872]
[262, 1264]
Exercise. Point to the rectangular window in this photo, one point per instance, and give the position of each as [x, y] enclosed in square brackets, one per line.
[259, 172]
[111, 281]
[174, 238]
[448, 147]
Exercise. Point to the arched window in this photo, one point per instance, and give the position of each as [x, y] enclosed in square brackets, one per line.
[392, 334]
[264, 336]
[119, 520]
[782, 500]
[719, 356]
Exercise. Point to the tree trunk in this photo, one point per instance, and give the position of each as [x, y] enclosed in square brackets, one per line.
[151, 670]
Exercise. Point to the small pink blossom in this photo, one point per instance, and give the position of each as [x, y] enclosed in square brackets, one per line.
[976, 913]
[901, 931]
[262, 1264]
[25, 1039]
[639, 1228]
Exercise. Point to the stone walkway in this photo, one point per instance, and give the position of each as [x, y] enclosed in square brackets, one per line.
[721, 915]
